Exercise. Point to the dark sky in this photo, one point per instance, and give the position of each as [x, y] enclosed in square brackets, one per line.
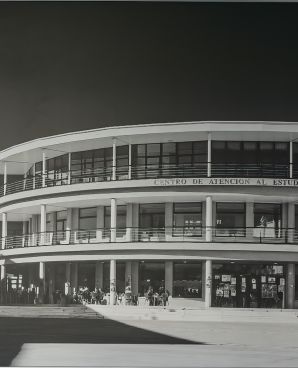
[72, 66]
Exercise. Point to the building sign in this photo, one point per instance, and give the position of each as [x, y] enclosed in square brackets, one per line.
[227, 181]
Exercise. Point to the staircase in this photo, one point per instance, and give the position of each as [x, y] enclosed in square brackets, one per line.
[49, 311]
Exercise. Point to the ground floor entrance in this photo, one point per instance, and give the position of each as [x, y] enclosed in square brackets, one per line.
[249, 285]
[188, 283]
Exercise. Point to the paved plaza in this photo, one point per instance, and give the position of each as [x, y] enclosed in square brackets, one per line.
[146, 343]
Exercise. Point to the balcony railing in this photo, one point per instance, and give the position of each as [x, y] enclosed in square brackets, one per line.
[52, 179]
[192, 234]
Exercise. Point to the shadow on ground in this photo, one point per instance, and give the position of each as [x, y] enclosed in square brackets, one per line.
[14, 332]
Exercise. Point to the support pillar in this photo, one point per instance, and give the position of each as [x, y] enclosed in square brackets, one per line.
[114, 159]
[69, 169]
[169, 277]
[34, 178]
[44, 168]
[99, 275]
[208, 219]
[43, 224]
[135, 277]
[129, 225]
[74, 277]
[5, 179]
[208, 282]
[68, 225]
[209, 150]
[249, 215]
[129, 161]
[41, 287]
[67, 290]
[291, 160]
[291, 286]
[3, 283]
[128, 273]
[4, 230]
[51, 282]
[24, 233]
[113, 220]
[168, 220]
[112, 282]
[291, 222]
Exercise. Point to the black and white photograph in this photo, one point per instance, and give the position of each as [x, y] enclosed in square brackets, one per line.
[148, 184]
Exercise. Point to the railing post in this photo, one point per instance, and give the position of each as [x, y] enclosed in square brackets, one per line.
[44, 169]
[291, 159]
[5, 178]
[209, 151]
[114, 159]
[69, 169]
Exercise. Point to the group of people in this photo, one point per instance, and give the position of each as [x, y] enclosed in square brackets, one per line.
[160, 297]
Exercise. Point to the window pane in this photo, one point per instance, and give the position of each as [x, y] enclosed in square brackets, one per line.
[88, 212]
[187, 280]
[61, 215]
[169, 148]
[188, 207]
[184, 148]
[200, 147]
[153, 149]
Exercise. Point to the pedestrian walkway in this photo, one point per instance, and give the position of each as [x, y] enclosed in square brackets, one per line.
[212, 314]
[49, 311]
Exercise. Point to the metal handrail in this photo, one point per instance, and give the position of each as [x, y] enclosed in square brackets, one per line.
[194, 233]
[134, 172]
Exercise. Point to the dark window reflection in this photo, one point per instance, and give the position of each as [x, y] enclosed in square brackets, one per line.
[187, 280]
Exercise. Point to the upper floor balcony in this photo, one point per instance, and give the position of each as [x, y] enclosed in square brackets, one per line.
[174, 234]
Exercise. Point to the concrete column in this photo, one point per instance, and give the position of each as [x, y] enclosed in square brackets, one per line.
[43, 224]
[291, 222]
[4, 229]
[284, 221]
[291, 160]
[208, 219]
[113, 220]
[100, 222]
[74, 277]
[34, 178]
[135, 277]
[44, 169]
[169, 276]
[129, 222]
[67, 278]
[68, 224]
[24, 233]
[5, 178]
[69, 169]
[114, 159]
[51, 282]
[168, 220]
[41, 288]
[3, 283]
[291, 286]
[112, 282]
[249, 220]
[128, 273]
[135, 221]
[208, 282]
[129, 161]
[99, 274]
[209, 150]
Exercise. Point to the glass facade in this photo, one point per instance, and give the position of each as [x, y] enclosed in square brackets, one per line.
[169, 159]
[267, 220]
[87, 218]
[151, 275]
[187, 279]
[187, 219]
[230, 219]
[248, 285]
[250, 159]
[151, 221]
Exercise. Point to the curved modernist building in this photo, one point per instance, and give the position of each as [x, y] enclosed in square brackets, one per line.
[205, 209]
